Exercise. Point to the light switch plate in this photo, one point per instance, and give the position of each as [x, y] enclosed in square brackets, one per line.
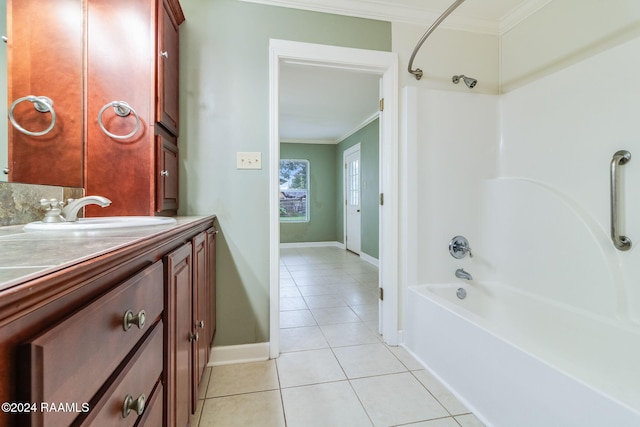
[248, 160]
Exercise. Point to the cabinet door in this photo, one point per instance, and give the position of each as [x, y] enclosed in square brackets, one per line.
[211, 273]
[200, 310]
[168, 65]
[120, 66]
[179, 337]
[166, 172]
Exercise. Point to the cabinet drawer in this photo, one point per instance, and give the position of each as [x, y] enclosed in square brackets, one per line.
[69, 362]
[154, 413]
[134, 384]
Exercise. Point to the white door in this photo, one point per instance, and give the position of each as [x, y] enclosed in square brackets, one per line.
[352, 198]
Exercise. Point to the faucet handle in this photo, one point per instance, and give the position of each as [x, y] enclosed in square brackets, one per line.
[51, 203]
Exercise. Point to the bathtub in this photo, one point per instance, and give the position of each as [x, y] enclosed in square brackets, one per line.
[519, 360]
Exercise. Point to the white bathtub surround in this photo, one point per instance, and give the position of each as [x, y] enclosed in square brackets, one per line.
[549, 333]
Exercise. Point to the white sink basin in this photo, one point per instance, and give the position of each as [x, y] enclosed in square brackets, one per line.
[103, 223]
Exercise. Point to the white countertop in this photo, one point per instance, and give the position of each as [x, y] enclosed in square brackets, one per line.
[30, 254]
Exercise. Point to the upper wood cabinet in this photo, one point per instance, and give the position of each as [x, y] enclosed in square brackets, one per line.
[132, 57]
[169, 18]
[111, 69]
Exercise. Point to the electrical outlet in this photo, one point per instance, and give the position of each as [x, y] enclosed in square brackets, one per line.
[248, 160]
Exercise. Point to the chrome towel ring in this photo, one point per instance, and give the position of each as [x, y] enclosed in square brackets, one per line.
[41, 104]
[121, 109]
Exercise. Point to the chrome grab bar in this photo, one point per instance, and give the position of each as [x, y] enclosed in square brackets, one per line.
[622, 243]
[41, 104]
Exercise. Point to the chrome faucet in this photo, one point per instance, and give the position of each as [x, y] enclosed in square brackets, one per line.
[73, 206]
[461, 274]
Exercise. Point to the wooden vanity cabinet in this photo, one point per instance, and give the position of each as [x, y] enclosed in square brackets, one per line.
[189, 278]
[63, 337]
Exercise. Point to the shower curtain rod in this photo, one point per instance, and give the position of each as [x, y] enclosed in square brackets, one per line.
[418, 72]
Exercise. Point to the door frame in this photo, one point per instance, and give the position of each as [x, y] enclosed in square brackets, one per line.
[384, 64]
[345, 154]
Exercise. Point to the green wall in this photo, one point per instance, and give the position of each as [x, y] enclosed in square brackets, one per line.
[369, 139]
[224, 108]
[322, 194]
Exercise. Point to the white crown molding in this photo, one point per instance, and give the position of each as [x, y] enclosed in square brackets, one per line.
[520, 13]
[362, 124]
[307, 141]
[388, 10]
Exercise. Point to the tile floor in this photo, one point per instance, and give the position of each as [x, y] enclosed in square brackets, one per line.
[334, 370]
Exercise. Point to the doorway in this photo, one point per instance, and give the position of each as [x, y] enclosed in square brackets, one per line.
[384, 65]
[352, 199]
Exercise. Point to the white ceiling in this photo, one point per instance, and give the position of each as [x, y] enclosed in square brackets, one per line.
[324, 105]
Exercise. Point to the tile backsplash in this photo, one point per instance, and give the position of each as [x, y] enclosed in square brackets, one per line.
[20, 203]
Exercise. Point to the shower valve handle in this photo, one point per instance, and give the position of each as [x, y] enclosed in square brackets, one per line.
[459, 247]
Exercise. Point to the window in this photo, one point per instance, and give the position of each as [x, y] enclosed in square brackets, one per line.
[294, 190]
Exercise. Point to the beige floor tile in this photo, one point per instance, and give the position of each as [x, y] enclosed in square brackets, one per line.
[297, 339]
[194, 420]
[347, 334]
[324, 301]
[406, 358]
[242, 378]
[367, 360]
[308, 367]
[318, 290]
[262, 409]
[440, 392]
[290, 292]
[397, 399]
[441, 422]
[366, 313]
[296, 319]
[469, 420]
[330, 316]
[204, 385]
[292, 303]
[324, 405]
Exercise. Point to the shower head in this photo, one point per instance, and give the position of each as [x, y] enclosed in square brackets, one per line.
[469, 81]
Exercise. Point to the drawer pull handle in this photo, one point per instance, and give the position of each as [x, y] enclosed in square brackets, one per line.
[129, 319]
[136, 405]
[193, 336]
[200, 324]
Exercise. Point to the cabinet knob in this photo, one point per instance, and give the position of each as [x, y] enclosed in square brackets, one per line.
[136, 405]
[164, 173]
[200, 324]
[193, 336]
[5, 171]
[164, 54]
[130, 319]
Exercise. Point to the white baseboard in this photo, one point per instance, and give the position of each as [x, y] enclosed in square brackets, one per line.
[230, 354]
[371, 260]
[311, 245]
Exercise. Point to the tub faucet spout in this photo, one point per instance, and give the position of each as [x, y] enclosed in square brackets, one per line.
[70, 211]
[461, 274]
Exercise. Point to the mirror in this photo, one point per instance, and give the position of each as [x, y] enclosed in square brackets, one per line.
[43, 58]
[4, 160]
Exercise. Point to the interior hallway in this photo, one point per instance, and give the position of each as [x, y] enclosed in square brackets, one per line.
[334, 370]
